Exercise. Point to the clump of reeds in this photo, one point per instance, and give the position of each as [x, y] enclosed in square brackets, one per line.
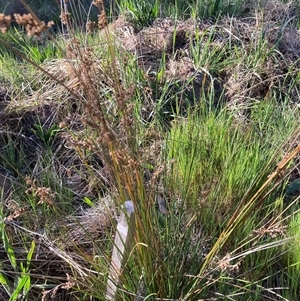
[174, 256]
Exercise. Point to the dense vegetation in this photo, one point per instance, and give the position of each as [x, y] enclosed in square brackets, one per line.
[190, 109]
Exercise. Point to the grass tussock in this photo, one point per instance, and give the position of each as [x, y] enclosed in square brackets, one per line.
[190, 110]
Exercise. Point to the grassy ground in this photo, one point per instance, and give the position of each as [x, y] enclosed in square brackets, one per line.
[189, 109]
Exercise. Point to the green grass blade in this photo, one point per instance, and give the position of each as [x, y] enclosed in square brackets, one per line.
[3, 279]
[29, 255]
[9, 250]
[21, 284]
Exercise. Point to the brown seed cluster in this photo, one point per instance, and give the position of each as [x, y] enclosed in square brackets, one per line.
[91, 26]
[99, 4]
[14, 209]
[226, 266]
[44, 194]
[33, 26]
[273, 231]
[102, 20]
[66, 18]
[4, 22]
[52, 293]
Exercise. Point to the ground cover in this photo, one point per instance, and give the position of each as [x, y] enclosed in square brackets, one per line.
[190, 110]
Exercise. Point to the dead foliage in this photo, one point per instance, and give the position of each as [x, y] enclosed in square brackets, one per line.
[66, 248]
